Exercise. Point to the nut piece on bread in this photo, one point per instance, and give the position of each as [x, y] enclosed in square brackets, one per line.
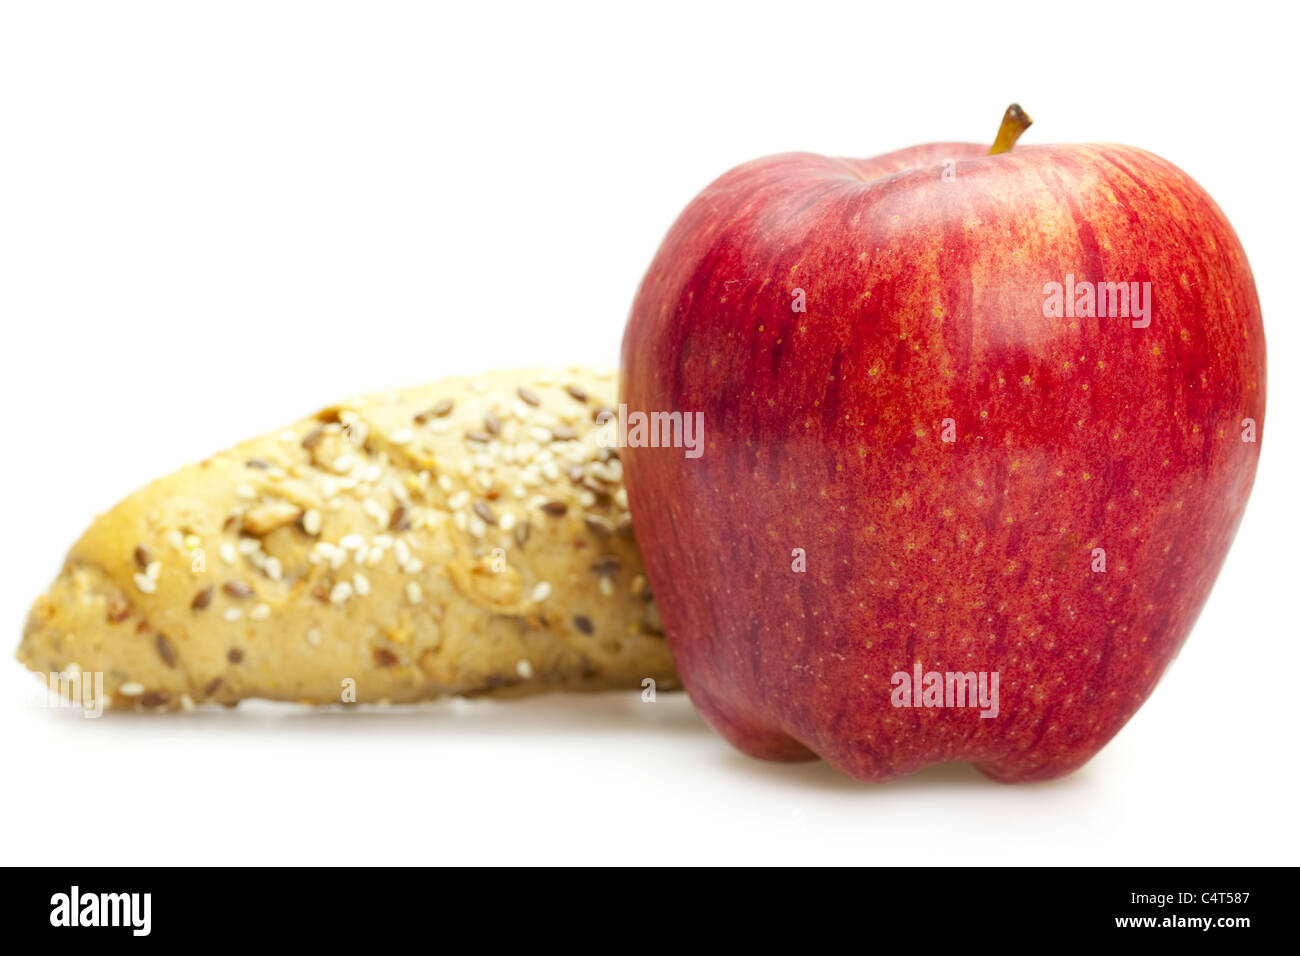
[462, 538]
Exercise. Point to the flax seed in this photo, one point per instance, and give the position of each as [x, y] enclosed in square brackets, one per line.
[165, 650]
[201, 600]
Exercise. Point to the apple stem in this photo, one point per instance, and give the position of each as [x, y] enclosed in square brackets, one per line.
[1014, 122]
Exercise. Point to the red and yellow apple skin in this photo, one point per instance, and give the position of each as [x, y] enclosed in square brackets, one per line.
[824, 431]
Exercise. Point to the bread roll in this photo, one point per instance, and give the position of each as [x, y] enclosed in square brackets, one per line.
[462, 538]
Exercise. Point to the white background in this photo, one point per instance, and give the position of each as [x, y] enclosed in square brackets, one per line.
[217, 218]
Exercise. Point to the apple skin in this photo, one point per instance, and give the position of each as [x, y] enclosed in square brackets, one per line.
[823, 431]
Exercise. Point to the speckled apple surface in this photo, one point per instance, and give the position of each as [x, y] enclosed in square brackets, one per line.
[824, 431]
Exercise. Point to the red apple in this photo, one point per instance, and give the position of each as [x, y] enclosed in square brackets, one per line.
[981, 479]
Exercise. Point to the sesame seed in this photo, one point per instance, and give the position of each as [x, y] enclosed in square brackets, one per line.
[413, 592]
[191, 541]
[563, 433]
[246, 492]
[313, 437]
[555, 508]
[311, 521]
[476, 526]
[131, 689]
[481, 437]
[541, 592]
[237, 589]
[228, 553]
[444, 482]
[361, 584]
[340, 592]
[232, 614]
[485, 512]
[414, 566]
[153, 570]
[577, 394]
[352, 542]
[402, 551]
[598, 526]
[403, 436]
[249, 546]
[528, 396]
[507, 521]
[375, 510]
[313, 637]
[607, 564]
[274, 570]
[343, 463]
[146, 584]
[202, 599]
[459, 500]
[260, 613]
[492, 423]
[607, 586]
[524, 668]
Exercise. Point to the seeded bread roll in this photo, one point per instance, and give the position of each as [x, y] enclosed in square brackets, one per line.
[467, 537]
